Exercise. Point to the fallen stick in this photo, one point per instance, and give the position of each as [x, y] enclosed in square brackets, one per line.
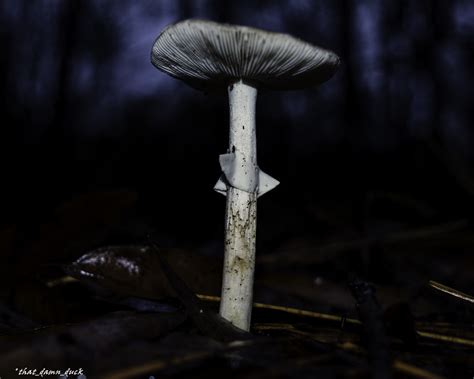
[451, 291]
[343, 320]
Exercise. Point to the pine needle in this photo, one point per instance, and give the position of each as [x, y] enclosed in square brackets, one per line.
[451, 291]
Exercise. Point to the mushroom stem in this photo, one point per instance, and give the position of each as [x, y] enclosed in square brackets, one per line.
[241, 209]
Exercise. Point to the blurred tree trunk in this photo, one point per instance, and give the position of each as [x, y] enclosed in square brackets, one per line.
[67, 33]
[58, 158]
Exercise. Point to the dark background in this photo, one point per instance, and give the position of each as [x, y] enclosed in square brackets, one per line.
[385, 144]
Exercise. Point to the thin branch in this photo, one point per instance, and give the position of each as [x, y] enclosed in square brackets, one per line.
[290, 310]
[341, 319]
[451, 291]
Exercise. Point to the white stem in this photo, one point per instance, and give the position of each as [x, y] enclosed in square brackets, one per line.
[241, 211]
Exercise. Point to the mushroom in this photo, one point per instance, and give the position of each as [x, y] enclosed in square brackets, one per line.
[211, 56]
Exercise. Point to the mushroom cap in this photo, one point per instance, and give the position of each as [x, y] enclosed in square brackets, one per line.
[209, 55]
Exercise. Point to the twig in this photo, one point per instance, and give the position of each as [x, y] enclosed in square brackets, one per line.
[290, 310]
[451, 291]
[60, 281]
[341, 319]
[445, 338]
[414, 371]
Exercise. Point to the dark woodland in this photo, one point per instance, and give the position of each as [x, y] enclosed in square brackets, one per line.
[370, 230]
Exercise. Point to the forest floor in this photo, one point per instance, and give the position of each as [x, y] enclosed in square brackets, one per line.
[395, 303]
